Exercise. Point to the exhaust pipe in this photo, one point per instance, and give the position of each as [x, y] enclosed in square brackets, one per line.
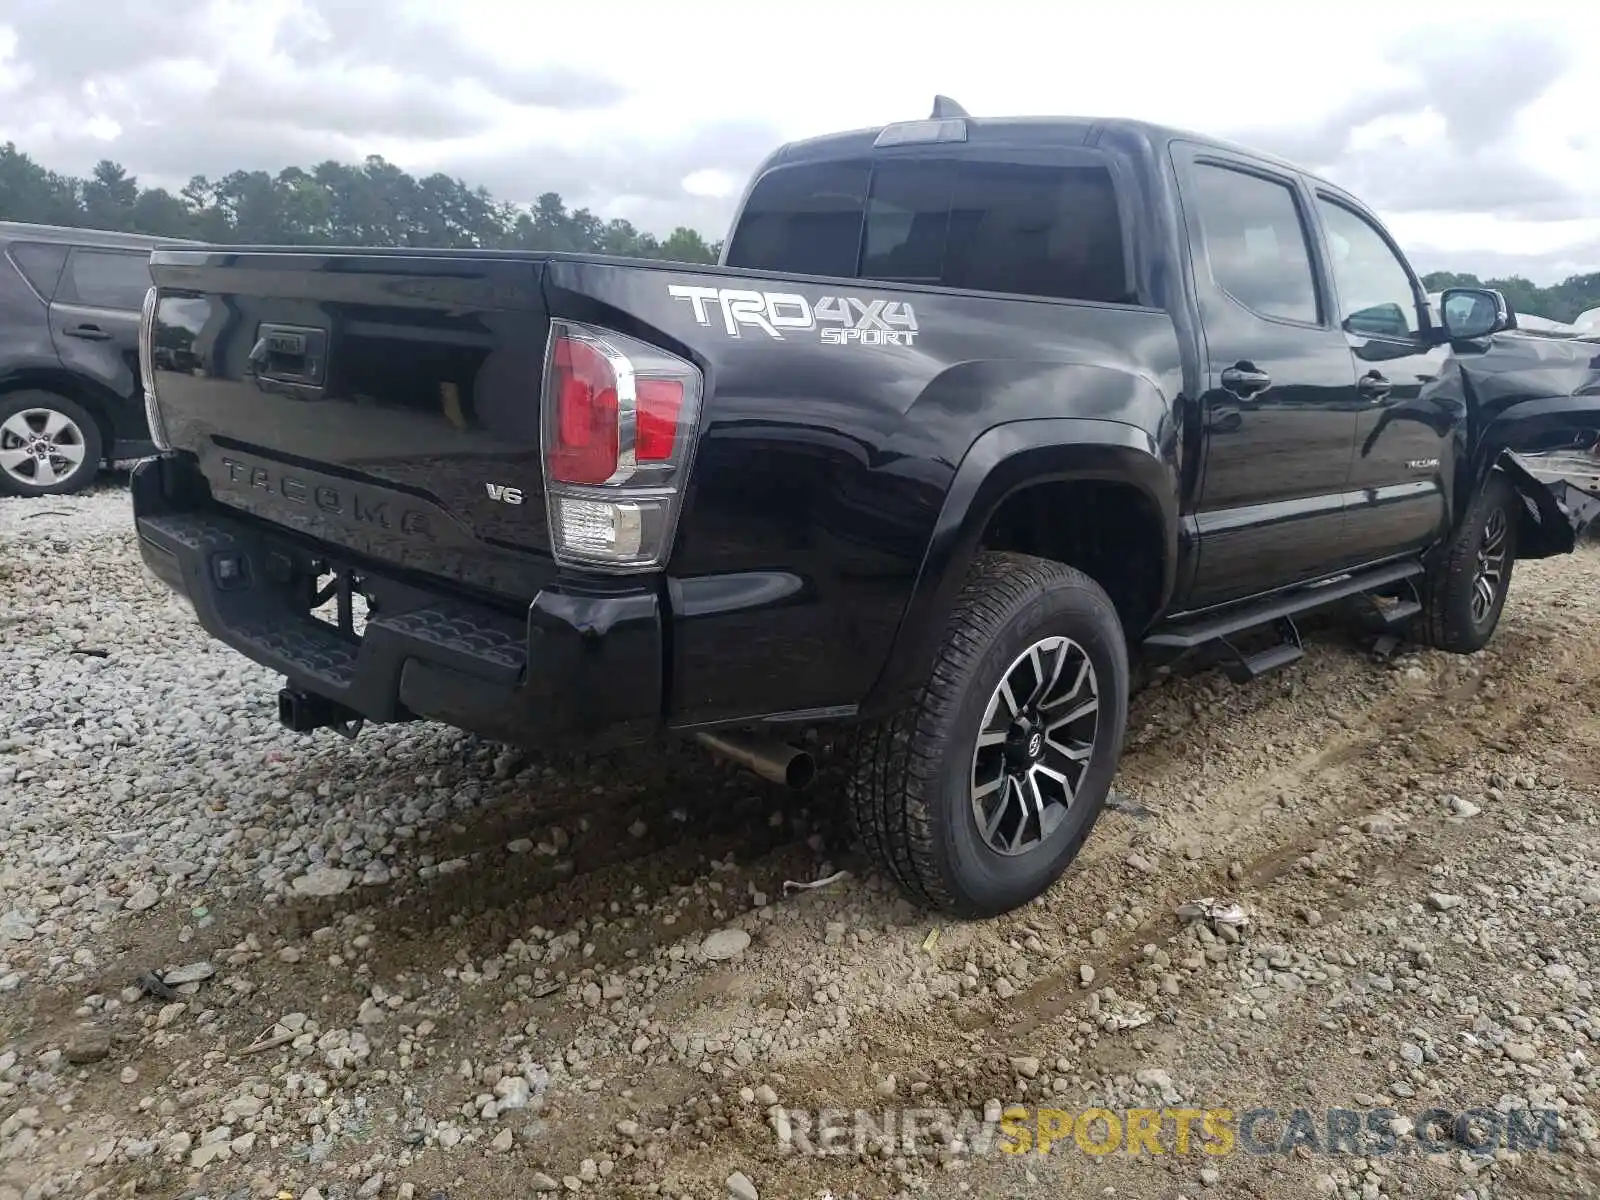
[767, 757]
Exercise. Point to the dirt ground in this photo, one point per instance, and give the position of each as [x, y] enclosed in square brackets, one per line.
[428, 966]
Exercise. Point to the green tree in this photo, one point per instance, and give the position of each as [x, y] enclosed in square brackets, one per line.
[30, 193]
[686, 245]
[375, 203]
[1559, 302]
[109, 196]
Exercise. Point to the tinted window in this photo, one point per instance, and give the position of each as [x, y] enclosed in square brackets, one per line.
[805, 220]
[40, 265]
[1375, 292]
[997, 227]
[1030, 230]
[1255, 242]
[108, 279]
[908, 222]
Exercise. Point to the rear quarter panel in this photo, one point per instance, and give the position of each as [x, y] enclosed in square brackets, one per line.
[822, 466]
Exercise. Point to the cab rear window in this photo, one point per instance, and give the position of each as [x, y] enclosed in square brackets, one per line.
[1025, 229]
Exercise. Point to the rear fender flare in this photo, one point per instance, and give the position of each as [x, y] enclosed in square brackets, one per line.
[1003, 461]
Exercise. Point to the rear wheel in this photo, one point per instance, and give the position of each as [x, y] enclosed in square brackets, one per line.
[49, 445]
[1467, 583]
[977, 798]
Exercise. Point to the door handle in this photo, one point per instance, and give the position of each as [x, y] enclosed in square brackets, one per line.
[1244, 380]
[89, 333]
[1373, 386]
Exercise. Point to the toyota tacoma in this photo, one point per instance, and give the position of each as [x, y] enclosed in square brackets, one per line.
[973, 417]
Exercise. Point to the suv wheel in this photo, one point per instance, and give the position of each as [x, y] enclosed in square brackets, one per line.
[1466, 585]
[977, 798]
[49, 445]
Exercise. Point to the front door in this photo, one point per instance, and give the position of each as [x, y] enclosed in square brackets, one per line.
[1278, 409]
[1404, 426]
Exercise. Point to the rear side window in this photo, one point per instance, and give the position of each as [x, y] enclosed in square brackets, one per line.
[107, 279]
[980, 226]
[40, 265]
[1256, 242]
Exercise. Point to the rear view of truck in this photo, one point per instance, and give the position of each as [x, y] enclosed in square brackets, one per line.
[910, 460]
[367, 495]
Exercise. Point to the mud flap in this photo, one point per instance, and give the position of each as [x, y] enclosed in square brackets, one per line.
[1555, 513]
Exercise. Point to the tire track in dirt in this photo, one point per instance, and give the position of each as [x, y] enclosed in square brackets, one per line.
[1417, 733]
[825, 1001]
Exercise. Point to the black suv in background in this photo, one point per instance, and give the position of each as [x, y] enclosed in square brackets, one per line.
[70, 394]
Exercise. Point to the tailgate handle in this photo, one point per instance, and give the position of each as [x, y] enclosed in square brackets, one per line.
[290, 354]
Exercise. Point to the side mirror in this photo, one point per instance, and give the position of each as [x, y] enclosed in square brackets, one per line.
[1470, 313]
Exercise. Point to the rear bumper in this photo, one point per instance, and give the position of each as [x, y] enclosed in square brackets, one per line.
[583, 664]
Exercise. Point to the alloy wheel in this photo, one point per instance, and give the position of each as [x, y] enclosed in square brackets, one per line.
[1487, 581]
[1034, 745]
[40, 446]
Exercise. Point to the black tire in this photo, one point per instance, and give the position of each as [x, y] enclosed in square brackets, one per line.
[911, 790]
[1452, 619]
[31, 411]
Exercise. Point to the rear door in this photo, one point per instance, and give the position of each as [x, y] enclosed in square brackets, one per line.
[28, 274]
[94, 318]
[1278, 409]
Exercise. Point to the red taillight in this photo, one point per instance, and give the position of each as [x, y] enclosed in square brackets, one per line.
[620, 421]
[660, 402]
[585, 447]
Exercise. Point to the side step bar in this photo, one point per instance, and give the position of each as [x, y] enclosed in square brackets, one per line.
[1393, 615]
[1219, 628]
[1242, 668]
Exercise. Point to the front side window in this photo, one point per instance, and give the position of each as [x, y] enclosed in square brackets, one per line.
[1256, 243]
[1376, 296]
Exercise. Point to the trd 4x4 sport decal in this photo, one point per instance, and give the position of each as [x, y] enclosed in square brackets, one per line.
[838, 320]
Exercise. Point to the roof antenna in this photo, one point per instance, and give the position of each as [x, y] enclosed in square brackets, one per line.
[945, 109]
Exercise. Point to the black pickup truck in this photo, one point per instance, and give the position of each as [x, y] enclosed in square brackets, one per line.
[973, 415]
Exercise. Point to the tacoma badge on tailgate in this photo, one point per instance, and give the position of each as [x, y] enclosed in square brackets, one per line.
[348, 503]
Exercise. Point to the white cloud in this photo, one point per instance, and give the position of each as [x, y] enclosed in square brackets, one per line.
[1473, 130]
[718, 185]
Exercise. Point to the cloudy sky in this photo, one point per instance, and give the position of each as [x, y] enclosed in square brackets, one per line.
[1473, 133]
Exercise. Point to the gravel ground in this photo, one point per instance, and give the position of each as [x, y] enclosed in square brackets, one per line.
[235, 962]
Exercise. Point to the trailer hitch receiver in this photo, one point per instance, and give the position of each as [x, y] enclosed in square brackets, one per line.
[304, 712]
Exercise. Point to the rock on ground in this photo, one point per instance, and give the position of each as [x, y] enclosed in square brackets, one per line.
[421, 963]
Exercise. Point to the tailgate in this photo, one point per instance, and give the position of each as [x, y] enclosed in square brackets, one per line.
[384, 402]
